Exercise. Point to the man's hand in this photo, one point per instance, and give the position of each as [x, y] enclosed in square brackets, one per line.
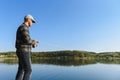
[35, 43]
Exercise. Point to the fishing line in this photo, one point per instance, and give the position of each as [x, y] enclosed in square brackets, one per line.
[52, 45]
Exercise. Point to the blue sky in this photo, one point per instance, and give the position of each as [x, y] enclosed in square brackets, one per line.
[90, 25]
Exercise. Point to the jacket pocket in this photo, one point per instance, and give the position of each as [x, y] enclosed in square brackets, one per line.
[25, 49]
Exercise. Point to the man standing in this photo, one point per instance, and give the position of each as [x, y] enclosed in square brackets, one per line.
[23, 48]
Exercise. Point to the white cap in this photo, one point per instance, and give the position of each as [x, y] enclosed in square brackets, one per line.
[30, 16]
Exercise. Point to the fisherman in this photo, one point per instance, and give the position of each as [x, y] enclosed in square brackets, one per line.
[23, 48]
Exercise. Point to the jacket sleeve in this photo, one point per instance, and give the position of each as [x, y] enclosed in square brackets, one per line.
[26, 37]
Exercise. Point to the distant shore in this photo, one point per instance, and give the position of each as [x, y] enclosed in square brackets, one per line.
[66, 54]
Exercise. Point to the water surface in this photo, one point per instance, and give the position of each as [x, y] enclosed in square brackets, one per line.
[64, 70]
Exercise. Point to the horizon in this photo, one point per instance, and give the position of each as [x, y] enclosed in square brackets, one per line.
[67, 50]
[88, 25]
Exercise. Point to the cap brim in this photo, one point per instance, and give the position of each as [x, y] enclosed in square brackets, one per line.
[33, 21]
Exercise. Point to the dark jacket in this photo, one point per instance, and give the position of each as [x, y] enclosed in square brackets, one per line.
[23, 40]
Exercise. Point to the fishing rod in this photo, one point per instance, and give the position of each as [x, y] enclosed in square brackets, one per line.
[52, 45]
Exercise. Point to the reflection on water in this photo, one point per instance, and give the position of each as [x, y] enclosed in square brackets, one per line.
[63, 62]
[54, 69]
[9, 60]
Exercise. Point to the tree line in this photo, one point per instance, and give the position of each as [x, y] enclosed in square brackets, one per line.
[67, 54]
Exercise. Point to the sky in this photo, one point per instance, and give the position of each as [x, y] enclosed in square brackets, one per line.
[87, 25]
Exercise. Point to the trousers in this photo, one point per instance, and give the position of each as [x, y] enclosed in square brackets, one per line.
[24, 66]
